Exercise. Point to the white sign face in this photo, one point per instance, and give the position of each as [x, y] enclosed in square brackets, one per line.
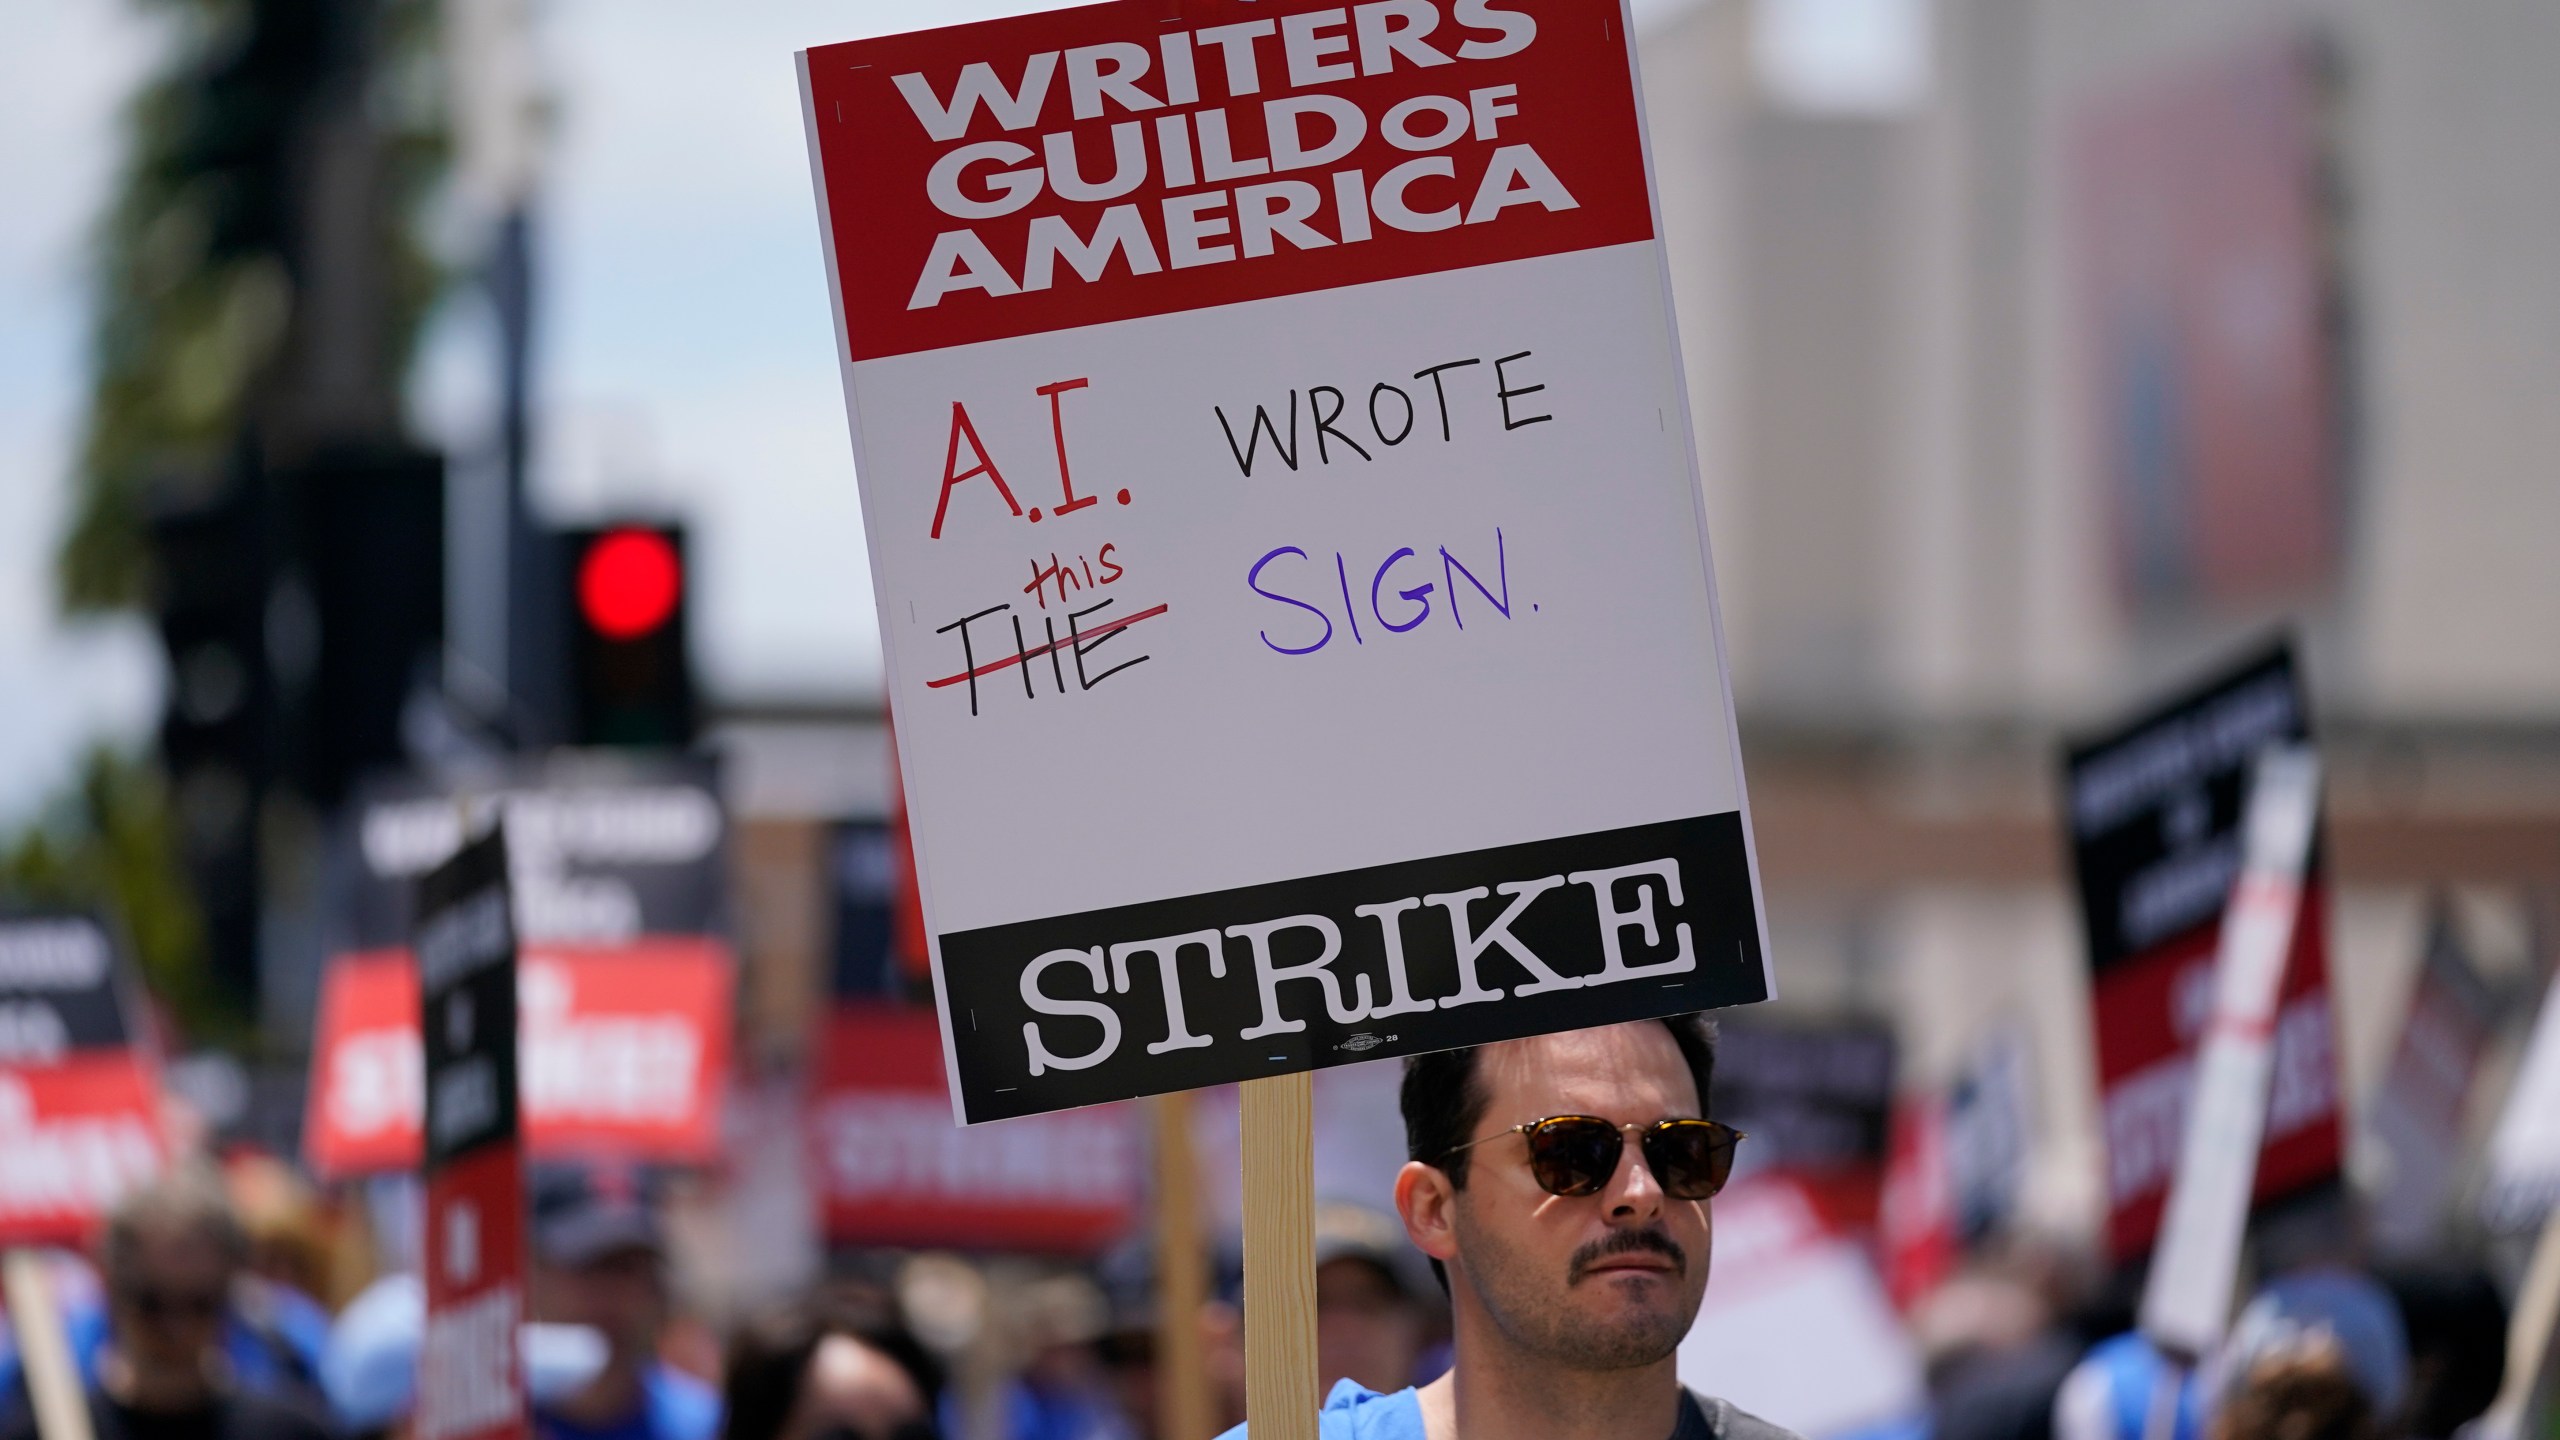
[1289, 547]
[2524, 1149]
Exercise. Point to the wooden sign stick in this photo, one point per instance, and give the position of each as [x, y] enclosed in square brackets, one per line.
[1183, 1410]
[1280, 1257]
[53, 1381]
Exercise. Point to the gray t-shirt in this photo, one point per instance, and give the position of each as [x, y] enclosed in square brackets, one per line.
[1703, 1417]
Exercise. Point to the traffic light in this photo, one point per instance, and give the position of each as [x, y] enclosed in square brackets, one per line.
[212, 549]
[632, 671]
[367, 556]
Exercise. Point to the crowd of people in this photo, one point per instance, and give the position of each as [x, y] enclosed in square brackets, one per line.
[1549, 1246]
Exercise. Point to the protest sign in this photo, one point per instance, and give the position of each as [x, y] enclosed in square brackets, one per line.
[1916, 1236]
[1784, 1272]
[625, 1055]
[470, 1385]
[2523, 1183]
[603, 848]
[2417, 1119]
[891, 1169]
[1287, 536]
[1990, 1129]
[2154, 816]
[79, 1107]
[1817, 1102]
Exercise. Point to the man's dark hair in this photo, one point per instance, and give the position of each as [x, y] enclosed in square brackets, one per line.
[769, 1359]
[1444, 1097]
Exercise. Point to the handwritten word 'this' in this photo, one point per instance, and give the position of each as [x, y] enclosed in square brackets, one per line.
[982, 462]
[1086, 630]
[1073, 574]
[1282, 575]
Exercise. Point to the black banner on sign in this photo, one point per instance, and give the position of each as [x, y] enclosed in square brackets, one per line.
[1358, 965]
[2154, 808]
[1820, 1096]
[60, 990]
[466, 949]
[606, 848]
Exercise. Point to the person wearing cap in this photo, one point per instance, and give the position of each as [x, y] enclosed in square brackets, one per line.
[1559, 1185]
[1372, 1299]
[599, 1262]
[2318, 1355]
[833, 1367]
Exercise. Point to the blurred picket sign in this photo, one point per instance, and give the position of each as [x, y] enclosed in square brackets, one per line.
[2524, 1149]
[1797, 1327]
[2416, 1119]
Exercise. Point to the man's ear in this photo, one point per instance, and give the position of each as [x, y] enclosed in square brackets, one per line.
[1426, 1201]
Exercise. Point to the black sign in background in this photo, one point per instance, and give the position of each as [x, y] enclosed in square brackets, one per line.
[370, 908]
[862, 868]
[982, 969]
[468, 1017]
[1813, 1098]
[2170, 787]
[90, 1011]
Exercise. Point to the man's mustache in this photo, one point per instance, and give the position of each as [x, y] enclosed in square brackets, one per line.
[1625, 1242]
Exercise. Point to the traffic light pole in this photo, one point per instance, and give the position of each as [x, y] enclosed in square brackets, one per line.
[534, 667]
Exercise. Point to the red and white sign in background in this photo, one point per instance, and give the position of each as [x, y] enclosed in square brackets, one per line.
[1287, 534]
[626, 1052]
[79, 1106]
[2155, 812]
[891, 1168]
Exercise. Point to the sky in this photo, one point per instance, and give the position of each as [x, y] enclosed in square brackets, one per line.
[63, 76]
[685, 363]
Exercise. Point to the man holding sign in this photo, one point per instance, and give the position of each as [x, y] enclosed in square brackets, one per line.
[1560, 1185]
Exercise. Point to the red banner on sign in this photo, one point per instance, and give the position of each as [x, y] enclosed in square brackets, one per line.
[625, 1054]
[2151, 1011]
[1108, 161]
[75, 1135]
[892, 1169]
[1916, 1224]
[468, 1359]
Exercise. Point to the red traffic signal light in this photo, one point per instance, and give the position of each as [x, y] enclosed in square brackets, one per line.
[630, 674]
[629, 582]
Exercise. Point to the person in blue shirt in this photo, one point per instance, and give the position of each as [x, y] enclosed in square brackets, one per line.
[272, 1336]
[172, 1260]
[1559, 1185]
[599, 1261]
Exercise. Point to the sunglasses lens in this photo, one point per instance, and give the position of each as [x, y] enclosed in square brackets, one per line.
[166, 1305]
[1574, 1155]
[1692, 1158]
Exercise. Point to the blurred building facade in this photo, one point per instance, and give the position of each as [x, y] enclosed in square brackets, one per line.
[2110, 340]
